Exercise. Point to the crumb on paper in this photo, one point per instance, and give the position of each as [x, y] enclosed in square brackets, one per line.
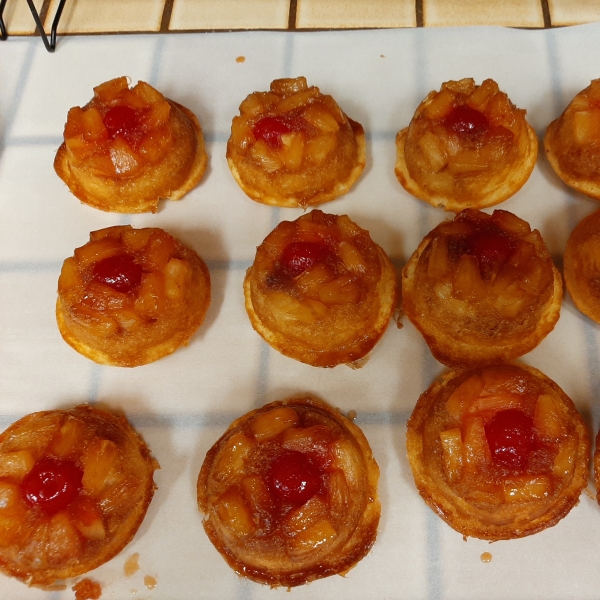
[382, 56]
[132, 565]
[240, 59]
[87, 589]
[150, 582]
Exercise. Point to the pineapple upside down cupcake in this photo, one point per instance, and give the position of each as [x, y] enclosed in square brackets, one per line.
[289, 493]
[498, 452]
[131, 296]
[572, 142]
[482, 289]
[320, 290]
[467, 146]
[129, 148]
[75, 486]
[293, 146]
[582, 266]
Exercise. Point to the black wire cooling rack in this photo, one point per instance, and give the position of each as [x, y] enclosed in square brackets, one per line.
[49, 43]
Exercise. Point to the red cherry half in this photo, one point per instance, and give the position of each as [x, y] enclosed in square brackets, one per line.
[299, 256]
[294, 478]
[52, 485]
[492, 248]
[119, 272]
[121, 120]
[511, 438]
[270, 129]
[467, 122]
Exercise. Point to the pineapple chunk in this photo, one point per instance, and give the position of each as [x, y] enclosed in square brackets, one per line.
[548, 418]
[452, 451]
[344, 289]
[233, 512]
[15, 465]
[467, 283]
[267, 425]
[232, 456]
[495, 403]
[177, 278]
[319, 148]
[347, 459]
[266, 157]
[159, 250]
[310, 280]
[308, 439]
[434, 150]
[476, 452]
[286, 308]
[564, 461]
[351, 257]
[148, 94]
[439, 259]
[312, 538]
[510, 222]
[87, 519]
[463, 396]
[440, 105]
[93, 126]
[57, 540]
[100, 459]
[151, 301]
[482, 94]
[136, 239]
[257, 495]
[525, 488]
[338, 494]
[96, 251]
[109, 90]
[293, 150]
[124, 159]
[320, 118]
[287, 86]
[586, 125]
[305, 516]
[298, 99]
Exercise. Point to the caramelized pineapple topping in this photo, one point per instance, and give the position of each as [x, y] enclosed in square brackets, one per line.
[61, 479]
[129, 291]
[573, 142]
[482, 288]
[289, 492]
[507, 442]
[121, 129]
[466, 146]
[293, 146]
[323, 283]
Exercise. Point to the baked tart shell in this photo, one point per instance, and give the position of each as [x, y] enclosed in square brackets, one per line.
[472, 517]
[275, 567]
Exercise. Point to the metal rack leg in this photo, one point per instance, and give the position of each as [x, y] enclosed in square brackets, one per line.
[3, 32]
[50, 44]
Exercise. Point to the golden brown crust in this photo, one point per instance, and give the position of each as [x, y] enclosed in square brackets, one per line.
[136, 331]
[47, 548]
[581, 266]
[268, 174]
[324, 316]
[173, 176]
[571, 142]
[469, 317]
[480, 498]
[296, 544]
[461, 173]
